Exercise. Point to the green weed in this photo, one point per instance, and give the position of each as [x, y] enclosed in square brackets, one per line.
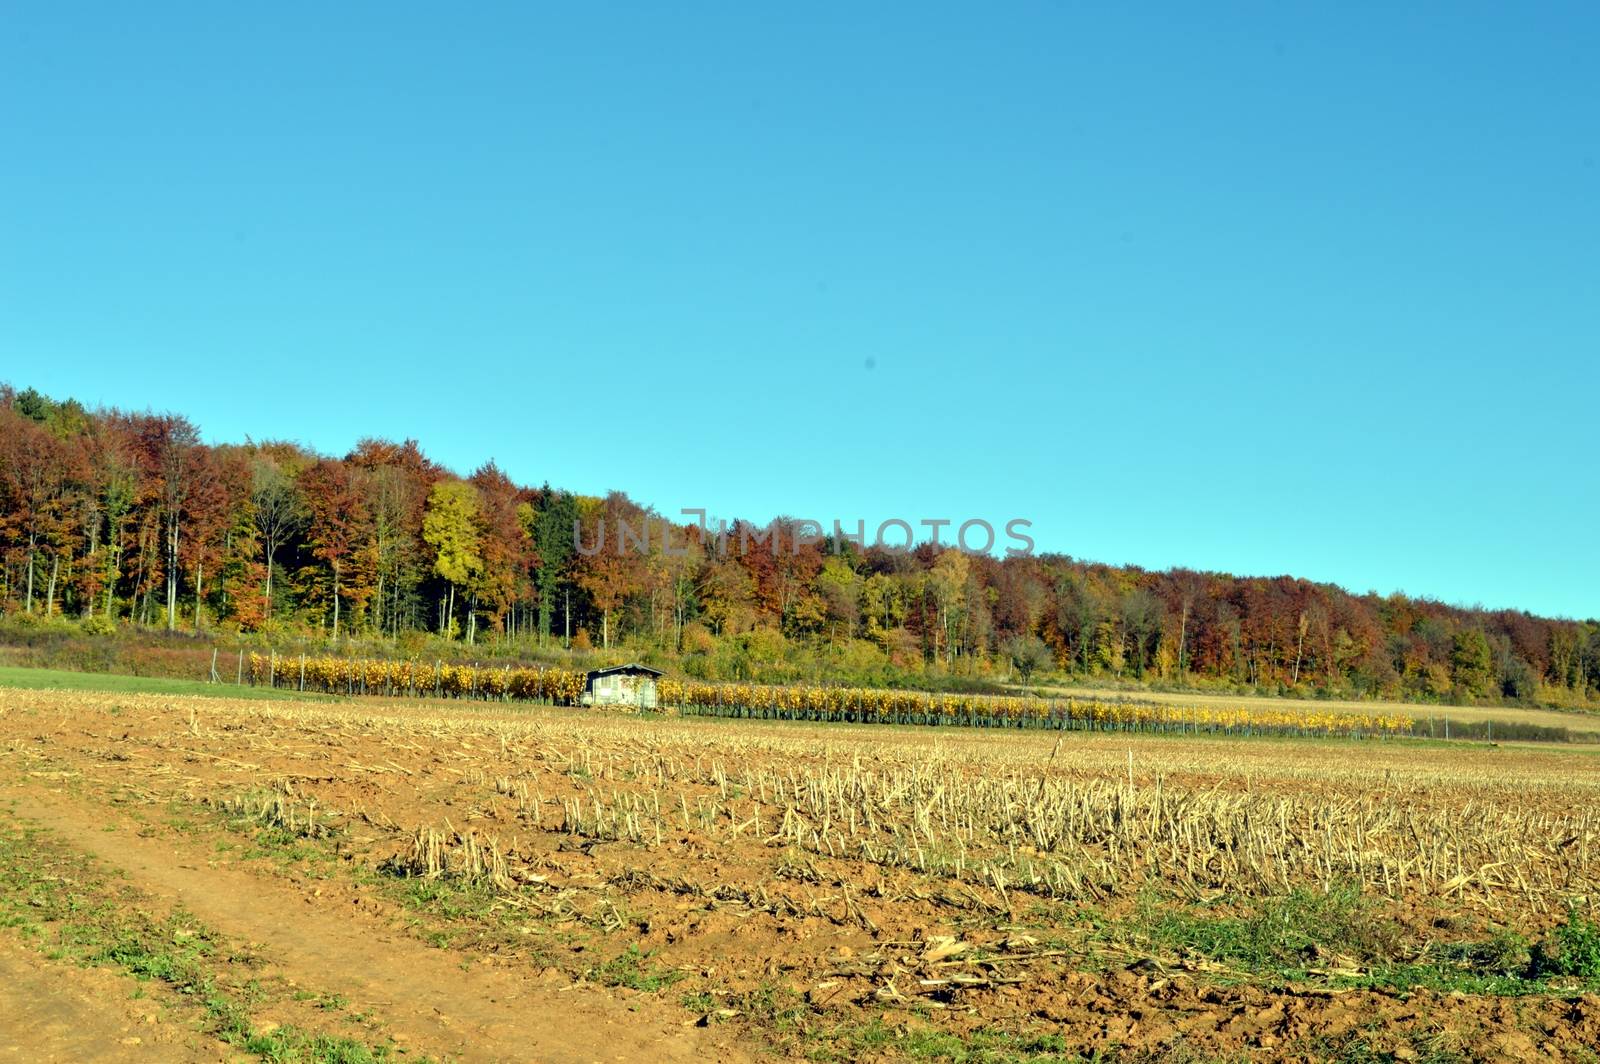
[631, 968]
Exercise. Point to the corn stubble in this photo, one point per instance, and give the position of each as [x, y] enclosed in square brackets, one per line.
[991, 817]
[874, 830]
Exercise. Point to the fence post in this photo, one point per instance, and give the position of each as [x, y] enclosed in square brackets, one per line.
[272, 668]
[239, 679]
[302, 671]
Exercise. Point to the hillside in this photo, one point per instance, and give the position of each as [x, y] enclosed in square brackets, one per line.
[118, 520]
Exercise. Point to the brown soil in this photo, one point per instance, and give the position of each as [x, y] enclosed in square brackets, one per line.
[59, 1012]
[733, 913]
[324, 937]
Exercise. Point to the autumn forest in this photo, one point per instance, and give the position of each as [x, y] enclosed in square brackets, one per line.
[127, 522]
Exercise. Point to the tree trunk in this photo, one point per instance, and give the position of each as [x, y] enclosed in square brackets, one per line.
[335, 603]
[266, 618]
[114, 546]
[33, 539]
[1183, 633]
[199, 591]
[88, 563]
[116, 575]
[141, 594]
[172, 576]
[1299, 648]
[50, 595]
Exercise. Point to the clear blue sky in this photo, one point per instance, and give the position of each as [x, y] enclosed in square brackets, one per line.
[1246, 287]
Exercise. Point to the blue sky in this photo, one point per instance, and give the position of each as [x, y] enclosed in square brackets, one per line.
[1247, 287]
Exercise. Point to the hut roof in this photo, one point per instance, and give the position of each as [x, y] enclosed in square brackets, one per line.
[630, 669]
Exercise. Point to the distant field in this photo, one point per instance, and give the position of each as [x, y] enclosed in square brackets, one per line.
[1573, 720]
[1576, 721]
[62, 680]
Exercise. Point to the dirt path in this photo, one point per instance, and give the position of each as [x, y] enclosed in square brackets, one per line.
[59, 1012]
[424, 998]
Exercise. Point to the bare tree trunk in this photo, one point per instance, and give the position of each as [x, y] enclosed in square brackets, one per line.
[50, 595]
[335, 603]
[1183, 634]
[89, 562]
[116, 574]
[1299, 648]
[199, 591]
[266, 618]
[33, 540]
[172, 575]
[141, 593]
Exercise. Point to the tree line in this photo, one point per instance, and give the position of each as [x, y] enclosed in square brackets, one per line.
[119, 519]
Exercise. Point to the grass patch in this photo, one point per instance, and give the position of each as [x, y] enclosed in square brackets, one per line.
[1309, 935]
[1359, 1047]
[1499, 965]
[1573, 949]
[700, 1001]
[1282, 937]
[1566, 961]
[986, 1047]
[632, 968]
[63, 680]
[923, 1043]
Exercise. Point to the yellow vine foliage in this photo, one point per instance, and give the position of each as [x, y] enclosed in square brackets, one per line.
[812, 702]
[417, 678]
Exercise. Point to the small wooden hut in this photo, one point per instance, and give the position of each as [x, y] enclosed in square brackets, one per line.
[622, 685]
